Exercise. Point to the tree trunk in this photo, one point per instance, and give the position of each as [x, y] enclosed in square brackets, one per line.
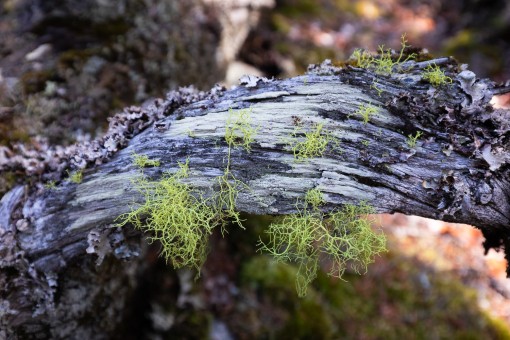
[456, 170]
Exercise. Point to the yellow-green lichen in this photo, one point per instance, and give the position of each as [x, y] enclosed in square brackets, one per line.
[143, 161]
[175, 215]
[365, 111]
[352, 240]
[362, 58]
[313, 145]
[314, 197]
[344, 236]
[411, 140]
[180, 217]
[50, 185]
[292, 240]
[239, 130]
[435, 76]
[384, 62]
[75, 176]
[375, 87]
[226, 196]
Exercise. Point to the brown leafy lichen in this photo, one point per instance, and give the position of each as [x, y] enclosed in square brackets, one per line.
[47, 162]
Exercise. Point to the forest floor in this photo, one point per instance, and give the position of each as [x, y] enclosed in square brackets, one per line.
[455, 249]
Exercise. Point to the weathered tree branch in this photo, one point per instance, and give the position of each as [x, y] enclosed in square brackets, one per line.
[458, 171]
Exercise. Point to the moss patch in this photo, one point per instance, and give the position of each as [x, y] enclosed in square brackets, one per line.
[405, 302]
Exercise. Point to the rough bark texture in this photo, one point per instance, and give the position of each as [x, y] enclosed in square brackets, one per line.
[458, 171]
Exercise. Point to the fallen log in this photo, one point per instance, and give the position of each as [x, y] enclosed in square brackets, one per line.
[393, 140]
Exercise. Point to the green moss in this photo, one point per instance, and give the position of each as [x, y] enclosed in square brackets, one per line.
[462, 39]
[280, 23]
[143, 161]
[13, 129]
[435, 76]
[498, 327]
[35, 81]
[7, 181]
[394, 301]
[75, 59]
[313, 145]
[300, 8]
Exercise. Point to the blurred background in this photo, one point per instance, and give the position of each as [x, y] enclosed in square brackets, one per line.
[67, 65]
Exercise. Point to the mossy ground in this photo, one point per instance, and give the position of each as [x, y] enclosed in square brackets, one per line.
[390, 304]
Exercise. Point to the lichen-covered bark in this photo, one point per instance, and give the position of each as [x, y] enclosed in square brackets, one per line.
[458, 170]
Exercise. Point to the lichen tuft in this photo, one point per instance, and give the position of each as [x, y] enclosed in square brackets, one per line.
[75, 176]
[313, 145]
[345, 237]
[435, 76]
[143, 161]
[365, 111]
[176, 216]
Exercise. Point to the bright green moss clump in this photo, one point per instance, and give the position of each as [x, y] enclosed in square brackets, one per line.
[333, 309]
[345, 237]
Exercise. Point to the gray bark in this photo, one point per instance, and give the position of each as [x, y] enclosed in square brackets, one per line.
[458, 172]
